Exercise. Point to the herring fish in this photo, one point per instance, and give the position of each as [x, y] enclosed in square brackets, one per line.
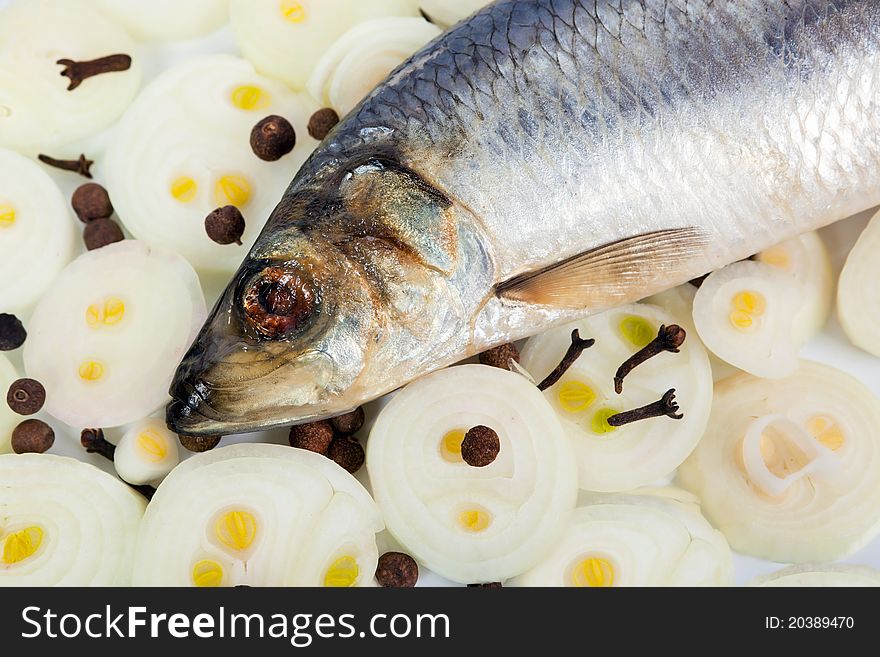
[540, 161]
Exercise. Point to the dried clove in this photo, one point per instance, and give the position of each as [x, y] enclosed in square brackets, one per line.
[574, 352]
[81, 71]
[666, 405]
[82, 165]
[669, 338]
[95, 443]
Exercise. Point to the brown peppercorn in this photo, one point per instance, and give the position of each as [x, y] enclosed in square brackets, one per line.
[12, 333]
[32, 437]
[500, 356]
[350, 422]
[397, 570]
[91, 201]
[26, 396]
[273, 138]
[480, 446]
[101, 232]
[314, 436]
[225, 225]
[322, 122]
[485, 585]
[199, 444]
[347, 452]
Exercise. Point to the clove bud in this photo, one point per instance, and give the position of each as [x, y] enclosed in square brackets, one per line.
[80, 71]
[666, 405]
[669, 338]
[574, 352]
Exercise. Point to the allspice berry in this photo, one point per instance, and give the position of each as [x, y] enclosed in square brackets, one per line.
[225, 225]
[480, 446]
[12, 333]
[101, 232]
[347, 452]
[32, 437]
[91, 201]
[350, 422]
[26, 396]
[500, 356]
[273, 138]
[397, 570]
[314, 436]
[485, 585]
[199, 444]
[322, 122]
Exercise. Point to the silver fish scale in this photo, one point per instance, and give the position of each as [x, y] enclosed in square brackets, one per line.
[566, 124]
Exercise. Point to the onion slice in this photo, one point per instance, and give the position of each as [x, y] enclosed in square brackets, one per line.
[644, 538]
[37, 111]
[65, 523]
[259, 515]
[105, 339]
[36, 232]
[858, 305]
[472, 524]
[789, 469]
[167, 20]
[183, 149]
[613, 459]
[821, 575]
[364, 56]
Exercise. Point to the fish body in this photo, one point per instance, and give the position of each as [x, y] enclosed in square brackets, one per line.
[540, 161]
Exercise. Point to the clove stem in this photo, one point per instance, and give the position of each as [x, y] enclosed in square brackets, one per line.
[666, 405]
[574, 352]
[78, 72]
[669, 338]
[95, 443]
[81, 165]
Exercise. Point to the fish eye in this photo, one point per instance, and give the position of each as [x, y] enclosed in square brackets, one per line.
[277, 302]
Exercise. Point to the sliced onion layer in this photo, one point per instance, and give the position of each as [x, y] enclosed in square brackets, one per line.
[285, 38]
[858, 304]
[146, 453]
[65, 523]
[806, 260]
[745, 314]
[472, 524]
[107, 336]
[36, 232]
[821, 575]
[789, 469]
[167, 20]
[8, 419]
[448, 12]
[364, 56]
[37, 111]
[183, 149]
[258, 515]
[646, 538]
[679, 302]
[613, 459]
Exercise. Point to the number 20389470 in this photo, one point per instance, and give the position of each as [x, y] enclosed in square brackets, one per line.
[809, 622]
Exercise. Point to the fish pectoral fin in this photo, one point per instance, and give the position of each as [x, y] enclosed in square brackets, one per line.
[612, 274]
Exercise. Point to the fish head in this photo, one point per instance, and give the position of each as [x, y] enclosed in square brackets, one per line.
[285, 342]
